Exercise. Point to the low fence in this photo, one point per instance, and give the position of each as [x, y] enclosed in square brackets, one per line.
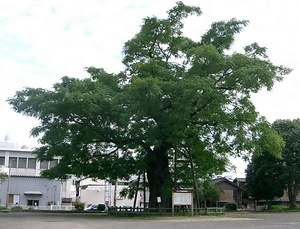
[165, 211]
[178, 210]
[44, 208]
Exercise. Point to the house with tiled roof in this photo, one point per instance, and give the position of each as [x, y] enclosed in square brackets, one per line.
[231, 192]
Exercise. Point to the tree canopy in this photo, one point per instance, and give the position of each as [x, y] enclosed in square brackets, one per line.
[265, 180]
[290, 132]
[268, 176]
[177, 100]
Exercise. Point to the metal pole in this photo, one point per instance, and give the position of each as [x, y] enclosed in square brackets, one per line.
[144, 189]
[115, 193]
[8, 179]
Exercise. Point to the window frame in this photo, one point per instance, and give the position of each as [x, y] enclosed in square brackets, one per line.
[22, 162]
[13, 162]
[29, 164]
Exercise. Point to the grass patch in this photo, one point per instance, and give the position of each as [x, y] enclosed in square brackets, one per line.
[282, 208]
[4, 210]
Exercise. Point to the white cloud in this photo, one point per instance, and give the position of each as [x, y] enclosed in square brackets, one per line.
[41, 41]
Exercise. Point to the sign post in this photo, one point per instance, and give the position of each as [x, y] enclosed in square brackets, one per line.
[159, 201]
[182, 198]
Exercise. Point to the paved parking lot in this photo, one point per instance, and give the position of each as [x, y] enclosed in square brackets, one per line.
[38, 220]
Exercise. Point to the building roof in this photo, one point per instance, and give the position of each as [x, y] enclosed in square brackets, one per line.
[11, 146]
[242, 180]
[218, 181]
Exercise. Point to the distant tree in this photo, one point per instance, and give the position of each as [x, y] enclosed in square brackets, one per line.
[210, 194]
[265, 179]
[178, 98]
[267, 175]
[2, 177]
[290, 132]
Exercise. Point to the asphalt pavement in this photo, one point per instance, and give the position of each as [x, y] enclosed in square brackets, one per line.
[244, 220]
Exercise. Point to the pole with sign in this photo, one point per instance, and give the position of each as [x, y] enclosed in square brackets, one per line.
[182, 198]
[159, 201]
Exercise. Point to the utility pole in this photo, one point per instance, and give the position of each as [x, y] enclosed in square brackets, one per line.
[7, 190]
[115, 193]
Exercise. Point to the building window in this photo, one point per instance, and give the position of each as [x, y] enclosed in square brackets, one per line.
[22, 163]
[53, 163]
[13, 162]
[44, 165]
[2, 160]
[31, 163]
[32, 202]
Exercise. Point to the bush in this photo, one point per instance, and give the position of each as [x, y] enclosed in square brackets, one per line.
[279, 208]
[101, 207]
[79, 206]
[231, 207]
[5, 210]
[17, 208]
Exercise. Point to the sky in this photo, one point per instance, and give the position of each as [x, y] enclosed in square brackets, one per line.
[41, 41]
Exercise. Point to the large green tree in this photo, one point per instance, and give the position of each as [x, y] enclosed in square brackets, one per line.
[177, 99]
[268, 176]
[290, 132]
[265, 179]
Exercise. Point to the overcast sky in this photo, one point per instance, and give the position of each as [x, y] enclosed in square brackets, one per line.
[42, 41]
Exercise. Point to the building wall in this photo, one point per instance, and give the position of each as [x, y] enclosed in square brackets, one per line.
[101, 192]
[227, 196]
[24, 176]
[23, 170]
[30, 191]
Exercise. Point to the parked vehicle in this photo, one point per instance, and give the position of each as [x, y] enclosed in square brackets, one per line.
[96, 207]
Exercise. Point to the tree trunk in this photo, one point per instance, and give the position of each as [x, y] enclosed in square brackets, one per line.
[197, 203]
[293, 190]
[160, 183]
[269, 204]
[137, 190]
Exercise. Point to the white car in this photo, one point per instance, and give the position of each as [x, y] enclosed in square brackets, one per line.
[95, 207]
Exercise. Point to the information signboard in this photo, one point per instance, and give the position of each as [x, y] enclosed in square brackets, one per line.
[182, 198]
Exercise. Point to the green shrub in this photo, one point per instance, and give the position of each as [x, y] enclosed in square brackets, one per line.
[231, 207]
[17, 208]
[279, 208]
[79, 206]
[5, 210]
[101, 207]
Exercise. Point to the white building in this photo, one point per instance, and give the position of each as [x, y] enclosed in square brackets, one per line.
[103, 192]
[24, 185]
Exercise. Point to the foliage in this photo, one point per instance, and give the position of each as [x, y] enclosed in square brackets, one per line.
[101, 207]
[129, 191]
[210, 193]
[231, 207]
[290, 132]
[2, 177]
[79, 206]
[5, 210]
[265, 179]
[268, 176]
[279, 208]
[16, 208]
[178, 98]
